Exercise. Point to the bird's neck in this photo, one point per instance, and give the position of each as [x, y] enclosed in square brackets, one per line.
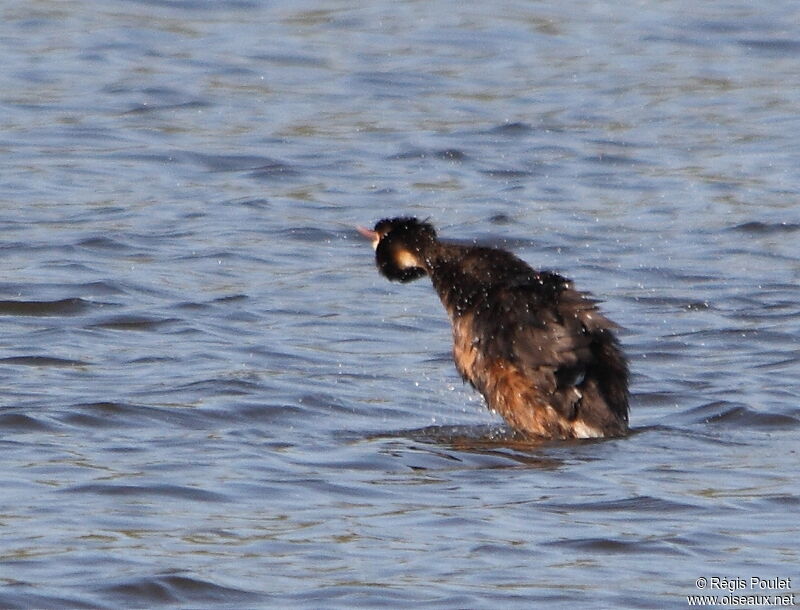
[458, 278]
[464, 276]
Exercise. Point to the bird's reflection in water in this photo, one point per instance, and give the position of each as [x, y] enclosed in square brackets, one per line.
[489, 446]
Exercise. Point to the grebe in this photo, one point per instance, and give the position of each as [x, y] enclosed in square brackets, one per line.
[538, 350]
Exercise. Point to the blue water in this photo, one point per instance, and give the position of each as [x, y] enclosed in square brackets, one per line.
[212, 399]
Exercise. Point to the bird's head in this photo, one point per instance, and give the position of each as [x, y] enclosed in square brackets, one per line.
[400, 247]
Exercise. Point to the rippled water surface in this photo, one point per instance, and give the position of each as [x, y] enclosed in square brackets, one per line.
[210, 397]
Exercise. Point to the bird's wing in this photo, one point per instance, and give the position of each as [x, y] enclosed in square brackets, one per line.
[543, 327]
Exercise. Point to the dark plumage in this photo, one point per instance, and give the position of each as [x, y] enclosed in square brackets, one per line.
[539, 351]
